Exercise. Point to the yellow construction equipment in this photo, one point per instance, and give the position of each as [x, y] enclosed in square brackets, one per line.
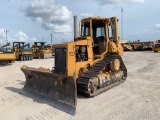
[137, 46]
[50, 48]
[23, 51]
[148, 46]
[91, 64]
[6, 48]
[40, 50]
[127, 47]
[157, 46]
[7, 58]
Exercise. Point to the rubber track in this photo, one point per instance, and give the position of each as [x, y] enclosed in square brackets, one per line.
[83, 80]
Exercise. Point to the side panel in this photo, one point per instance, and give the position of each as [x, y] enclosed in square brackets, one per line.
[60, 61]
[66, 62]
[72, 65]
[71, 59]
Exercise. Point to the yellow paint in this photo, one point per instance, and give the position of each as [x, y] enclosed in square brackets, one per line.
[7, 56]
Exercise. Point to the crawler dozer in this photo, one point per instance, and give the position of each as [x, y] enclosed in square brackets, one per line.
[91, 64]
[23, 51]
[40, 50]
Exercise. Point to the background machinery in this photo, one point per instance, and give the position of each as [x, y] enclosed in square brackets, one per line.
[144, 46]
[157, 46]
[7, 56]
[40, 50]
[138, 46]
[127, 47]
[148, 46]
[91, 64]
[23, 51]
[6, 48]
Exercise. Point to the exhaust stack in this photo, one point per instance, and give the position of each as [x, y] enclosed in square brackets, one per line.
[75, 28]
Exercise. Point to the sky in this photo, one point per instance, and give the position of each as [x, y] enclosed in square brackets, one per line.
[35, 20]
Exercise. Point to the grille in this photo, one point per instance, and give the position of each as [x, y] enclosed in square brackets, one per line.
[60, 61]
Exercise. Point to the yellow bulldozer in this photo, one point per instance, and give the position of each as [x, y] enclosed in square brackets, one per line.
[40, 50]
[23, 51]
[89, 65]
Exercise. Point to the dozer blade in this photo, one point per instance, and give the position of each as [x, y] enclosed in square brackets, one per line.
[59, 88]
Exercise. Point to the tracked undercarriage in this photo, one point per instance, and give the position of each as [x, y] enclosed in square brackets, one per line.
[94, 81]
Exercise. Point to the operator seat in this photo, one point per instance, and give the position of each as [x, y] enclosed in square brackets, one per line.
[101, 44]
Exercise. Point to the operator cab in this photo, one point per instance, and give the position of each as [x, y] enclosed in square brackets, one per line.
[21, 45]
[99, 30]
[39, 45]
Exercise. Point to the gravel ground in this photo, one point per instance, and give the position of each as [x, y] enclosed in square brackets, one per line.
[138, 98]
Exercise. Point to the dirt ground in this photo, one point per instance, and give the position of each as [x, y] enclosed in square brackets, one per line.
[138, 98]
